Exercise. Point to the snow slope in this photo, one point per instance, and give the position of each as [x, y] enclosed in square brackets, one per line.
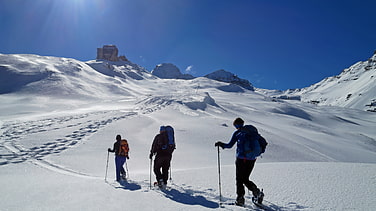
[53, 146]
[355, 88]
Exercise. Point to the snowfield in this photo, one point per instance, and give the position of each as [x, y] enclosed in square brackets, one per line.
[53, 145]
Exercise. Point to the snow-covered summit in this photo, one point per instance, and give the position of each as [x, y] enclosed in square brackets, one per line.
[354, 87]
[228, 77]
[169, 71]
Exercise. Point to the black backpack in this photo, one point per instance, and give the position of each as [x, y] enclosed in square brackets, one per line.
[262, 143]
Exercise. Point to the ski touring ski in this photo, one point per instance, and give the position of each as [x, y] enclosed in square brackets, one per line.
[232, 203]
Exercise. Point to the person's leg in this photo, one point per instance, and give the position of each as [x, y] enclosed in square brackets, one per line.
[118, 165]
[165, 168]
[122, 171]
[157, 168]
[247, 172]
[240, 169]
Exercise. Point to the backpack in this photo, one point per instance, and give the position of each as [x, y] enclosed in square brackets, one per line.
[123, 148]
[263, 143]
[252, 134]
[169, 146]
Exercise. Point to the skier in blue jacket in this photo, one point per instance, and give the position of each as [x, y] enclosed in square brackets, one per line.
[121, 150]
[246, 153]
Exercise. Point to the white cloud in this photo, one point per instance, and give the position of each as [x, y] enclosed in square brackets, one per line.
[189, 69]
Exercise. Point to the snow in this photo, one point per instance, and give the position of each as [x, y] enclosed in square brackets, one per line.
[169, 71]
[225, 76]
[55, 131]
[353, 88]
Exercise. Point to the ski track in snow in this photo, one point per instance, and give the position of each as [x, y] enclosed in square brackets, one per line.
[78, 128]
[13, 152]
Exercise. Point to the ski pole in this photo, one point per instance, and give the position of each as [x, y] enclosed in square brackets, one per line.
[105, 177]
[170, 173]
[219, 176]
[151, 159]
[126, 167]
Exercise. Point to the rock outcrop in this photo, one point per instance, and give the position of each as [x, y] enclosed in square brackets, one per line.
[110, 53]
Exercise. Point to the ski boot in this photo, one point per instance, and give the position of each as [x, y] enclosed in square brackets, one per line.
[240, 201]
[161, 184]
[258, 198]
[123, 176]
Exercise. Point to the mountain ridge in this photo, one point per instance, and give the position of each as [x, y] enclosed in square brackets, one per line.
[27, 73]
[354, 87]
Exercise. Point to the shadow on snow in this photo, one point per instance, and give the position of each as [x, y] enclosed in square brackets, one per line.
[292, 206]
[189, 197]
[129, 185]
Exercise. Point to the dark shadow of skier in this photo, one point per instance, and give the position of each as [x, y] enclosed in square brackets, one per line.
[189, 197]
[265, 206]
[129, 185]
[269, 206]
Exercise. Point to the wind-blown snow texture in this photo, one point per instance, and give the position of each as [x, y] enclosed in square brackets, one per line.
[58, 116]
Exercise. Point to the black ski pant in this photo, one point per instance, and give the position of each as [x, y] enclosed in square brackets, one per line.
[243, 171]
[162, 162]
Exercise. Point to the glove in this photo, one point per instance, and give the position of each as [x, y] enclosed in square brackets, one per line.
[151, 156]
[219, 144]
[128, 157]
[109, 149]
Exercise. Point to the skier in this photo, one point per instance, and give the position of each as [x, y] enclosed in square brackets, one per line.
[163, 151]
[121, 150]
[245, 161]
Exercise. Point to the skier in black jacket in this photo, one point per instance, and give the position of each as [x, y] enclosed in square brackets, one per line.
[163, 157]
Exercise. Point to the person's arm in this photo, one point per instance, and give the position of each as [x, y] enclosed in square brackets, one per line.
[129, 149]
[113, 149]
[232, 141]
[230, 144]
[153, 149]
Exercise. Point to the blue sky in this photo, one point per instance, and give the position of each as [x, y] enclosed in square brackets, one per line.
[274, 44]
